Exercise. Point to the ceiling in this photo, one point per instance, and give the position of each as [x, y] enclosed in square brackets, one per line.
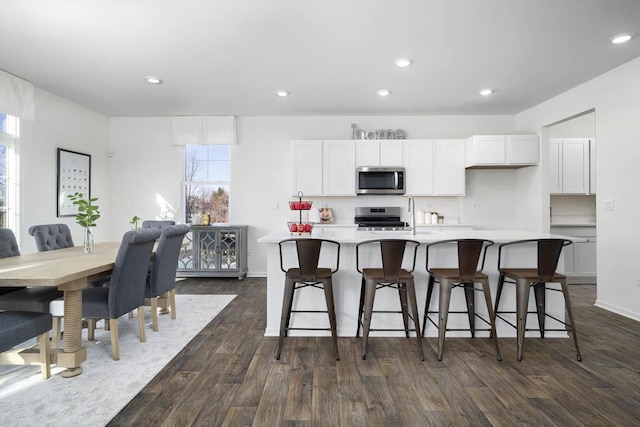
[228, 57]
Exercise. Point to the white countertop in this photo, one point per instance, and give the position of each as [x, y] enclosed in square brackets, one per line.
[354, 236]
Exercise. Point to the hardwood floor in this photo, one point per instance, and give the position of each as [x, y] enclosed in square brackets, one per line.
[228, 375]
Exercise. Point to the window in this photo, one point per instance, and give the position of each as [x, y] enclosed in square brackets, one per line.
[8, 175]
[207, 179]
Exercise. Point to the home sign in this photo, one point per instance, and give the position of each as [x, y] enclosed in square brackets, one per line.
[377, 134]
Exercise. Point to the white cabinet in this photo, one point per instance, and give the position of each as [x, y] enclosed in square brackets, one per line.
[579, 258]
[323, 168]
[449, 168]
[501, 151]
[434, 167]
[570, 162]
[418, 164]
[307, 167]
[384, 152]
[338, 168]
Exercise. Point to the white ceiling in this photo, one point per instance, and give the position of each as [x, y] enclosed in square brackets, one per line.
[228, 57]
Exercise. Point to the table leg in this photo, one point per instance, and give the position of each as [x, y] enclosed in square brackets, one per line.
[73, 354]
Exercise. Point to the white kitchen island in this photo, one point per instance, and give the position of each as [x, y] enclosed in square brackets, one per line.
[346, 283]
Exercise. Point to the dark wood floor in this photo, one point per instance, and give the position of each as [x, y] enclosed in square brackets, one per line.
[228, 376]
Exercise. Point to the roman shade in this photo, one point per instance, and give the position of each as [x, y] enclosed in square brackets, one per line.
[203, 130]
[16, 97]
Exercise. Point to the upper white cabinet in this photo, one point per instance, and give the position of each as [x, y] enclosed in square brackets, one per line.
[570, 162]
[434, 167]
[323, 168]
[384, 152]
[501, 151]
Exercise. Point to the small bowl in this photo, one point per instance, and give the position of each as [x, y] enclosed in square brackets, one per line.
[300, 228]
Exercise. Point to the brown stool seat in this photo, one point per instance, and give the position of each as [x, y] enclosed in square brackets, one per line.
[470, 261]
[548, 254]
[308, 274]
[391, 275]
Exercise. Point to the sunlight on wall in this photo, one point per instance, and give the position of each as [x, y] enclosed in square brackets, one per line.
[167, 211]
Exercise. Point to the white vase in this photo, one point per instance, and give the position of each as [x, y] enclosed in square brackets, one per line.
[88, 240]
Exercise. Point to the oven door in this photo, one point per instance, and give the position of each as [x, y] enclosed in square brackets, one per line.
[376, 180]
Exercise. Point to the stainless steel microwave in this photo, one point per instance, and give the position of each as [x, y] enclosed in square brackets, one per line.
[380, 180]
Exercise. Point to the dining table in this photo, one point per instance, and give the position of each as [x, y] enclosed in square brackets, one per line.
[70, 270]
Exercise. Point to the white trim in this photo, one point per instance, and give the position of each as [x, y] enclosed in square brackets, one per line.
[617, 310]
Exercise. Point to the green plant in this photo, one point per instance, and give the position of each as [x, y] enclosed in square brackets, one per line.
[88, 213]
[134, 222]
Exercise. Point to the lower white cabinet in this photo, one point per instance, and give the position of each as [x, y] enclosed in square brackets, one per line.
[580, 259]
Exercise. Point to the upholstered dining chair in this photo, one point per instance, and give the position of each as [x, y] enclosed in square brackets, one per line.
[16, 327]
[51, 236]
[152, 223]
[161, 282]
[125, 291]
[391, 275]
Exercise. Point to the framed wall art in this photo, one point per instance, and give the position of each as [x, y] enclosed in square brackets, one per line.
[74, 175]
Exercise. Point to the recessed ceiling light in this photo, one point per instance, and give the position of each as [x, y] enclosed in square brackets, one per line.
[154, 80]
[383, 92]
[402, 62]
[282, 93]
[621, 38]
[485, 92]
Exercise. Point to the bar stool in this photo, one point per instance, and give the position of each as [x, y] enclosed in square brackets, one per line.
[465, 276]
[307, 274]
[391, 275]
[548, 253]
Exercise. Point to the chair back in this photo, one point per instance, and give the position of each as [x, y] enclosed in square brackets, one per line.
[156, 223]
[49, 237]
[165, 262]
[8, 243]
[549, 251]
[308, 253]
[470, 258]
[129, 276]
[392, 254]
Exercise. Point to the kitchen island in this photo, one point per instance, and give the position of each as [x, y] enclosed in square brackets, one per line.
[346, 283]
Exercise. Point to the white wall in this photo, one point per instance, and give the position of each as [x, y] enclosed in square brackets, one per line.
[145, 163]
[615, 96]
[59, 124]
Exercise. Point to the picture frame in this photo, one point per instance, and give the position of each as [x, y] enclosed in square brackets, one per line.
[73, 175]
[326, 216]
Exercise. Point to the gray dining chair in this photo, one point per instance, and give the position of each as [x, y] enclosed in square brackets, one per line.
[17, 327]
[151, 223]
[161, 282]
[125, 291]
[51, 236]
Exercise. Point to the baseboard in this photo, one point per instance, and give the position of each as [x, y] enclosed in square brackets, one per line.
[618, 310]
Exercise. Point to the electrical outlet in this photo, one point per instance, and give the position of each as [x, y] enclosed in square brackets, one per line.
[249, 253]
[272, 206]
[638, 282]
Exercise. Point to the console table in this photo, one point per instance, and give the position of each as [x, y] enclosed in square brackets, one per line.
[214, 251]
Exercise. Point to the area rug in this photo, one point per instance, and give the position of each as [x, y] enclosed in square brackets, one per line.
[105, 386]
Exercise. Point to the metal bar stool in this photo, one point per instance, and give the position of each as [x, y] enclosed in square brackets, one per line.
[391, 275]
[470, 254]
[549, 251]
[307, 274]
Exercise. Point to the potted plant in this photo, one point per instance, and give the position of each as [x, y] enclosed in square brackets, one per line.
[87, 215]
[134, 222]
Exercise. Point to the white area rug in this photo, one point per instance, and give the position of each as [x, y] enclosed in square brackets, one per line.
[105, 386]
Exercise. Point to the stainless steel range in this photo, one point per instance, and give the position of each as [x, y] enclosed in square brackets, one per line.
[379, 218]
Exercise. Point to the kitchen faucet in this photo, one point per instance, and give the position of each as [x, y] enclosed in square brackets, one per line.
[412, 209]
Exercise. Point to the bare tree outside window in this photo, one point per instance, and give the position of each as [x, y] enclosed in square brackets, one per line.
[207, 179]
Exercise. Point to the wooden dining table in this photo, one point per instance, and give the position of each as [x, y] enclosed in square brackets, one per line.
[70, 270]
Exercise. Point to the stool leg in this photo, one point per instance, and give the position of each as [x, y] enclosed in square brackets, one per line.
[486, 290]
[402, 293]
[286, 312]
[498, 293]
[469, 296]
[427, 303]
[567, 302]
[522, 303]
[328, 296]
[443, 313]
[539, 294]
[411, 290]
[369, 297]
[360, 307]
